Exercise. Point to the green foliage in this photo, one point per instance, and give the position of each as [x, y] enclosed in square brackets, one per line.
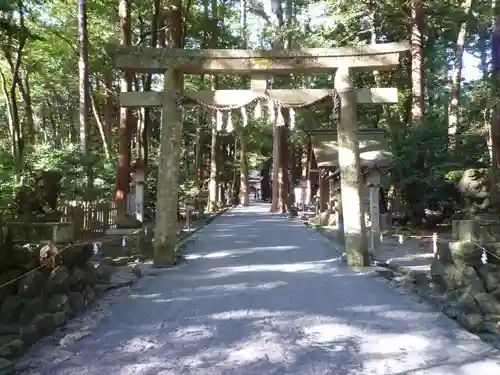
[69, 161]
[422, 162]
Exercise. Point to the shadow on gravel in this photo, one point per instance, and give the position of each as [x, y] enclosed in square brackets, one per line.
[277, 302]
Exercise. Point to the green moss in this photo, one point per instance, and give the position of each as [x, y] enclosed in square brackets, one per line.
[164, 255]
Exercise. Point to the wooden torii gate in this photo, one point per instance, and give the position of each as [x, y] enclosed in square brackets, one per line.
[173, 63]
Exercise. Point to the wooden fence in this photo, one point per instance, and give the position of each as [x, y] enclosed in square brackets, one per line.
[90, 218]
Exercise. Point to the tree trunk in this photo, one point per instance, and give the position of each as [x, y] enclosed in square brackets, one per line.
[10, 117]
[147, 87]
[14, 58]
[265, 184]
[416, 114]
[376, 74]
[84, 91]
[110, 109]
[454, 108]
[24, 90]
[125, 130]
[100, 126]
[495, 94]
[417, 59]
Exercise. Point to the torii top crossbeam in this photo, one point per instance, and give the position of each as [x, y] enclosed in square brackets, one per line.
[307, 60]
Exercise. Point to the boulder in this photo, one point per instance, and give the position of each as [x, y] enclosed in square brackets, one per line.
[465, 252]
[438, 271]
[22, 258]
[491, 327]
[32, 307]
[418, 277]
[31, 285]
[104, 273]
[58, 281]
[496, 293]
[443, 252]
[11, 347]
[76, 302]
[89, 294]
[59, 302]
[127, 222]
[76, 278]
[471, 322]
[492, 323]
[6, 367]
[466, 301]
[11, 309]
[490, 275]
[77, 255]
[90, 274]
[29, 334]
[59, 318]
[456, 276]
[493, 248]
[44, 323]
[487, 303]
[136, 270]
[11, 288]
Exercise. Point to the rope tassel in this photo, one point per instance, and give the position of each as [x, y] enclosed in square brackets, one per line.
[291, 113]
[257, 112]
[244, 116]
[280, 121]
[229, 123]
[270, 106]
[218, 120]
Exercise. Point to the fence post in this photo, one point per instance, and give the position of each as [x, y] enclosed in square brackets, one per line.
[105, 216]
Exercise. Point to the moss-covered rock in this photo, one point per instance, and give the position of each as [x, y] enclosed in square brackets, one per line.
[59, 318]
[32, 307]
[11, 309]
[58, 281]
[31, 285]
[44, 323]
[59, 302]
[76, 278]
[76, 302]
[11, 347]
[6, 367]
[29, 334]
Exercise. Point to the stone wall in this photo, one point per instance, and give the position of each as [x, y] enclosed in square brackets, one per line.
[55, 287]
[470, 287]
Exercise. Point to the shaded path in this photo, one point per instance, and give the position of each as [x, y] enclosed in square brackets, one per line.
[262, 295]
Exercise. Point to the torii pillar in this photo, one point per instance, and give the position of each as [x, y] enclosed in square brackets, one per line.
[351, 180]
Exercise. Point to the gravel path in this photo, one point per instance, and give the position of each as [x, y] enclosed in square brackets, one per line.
[259, 295]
